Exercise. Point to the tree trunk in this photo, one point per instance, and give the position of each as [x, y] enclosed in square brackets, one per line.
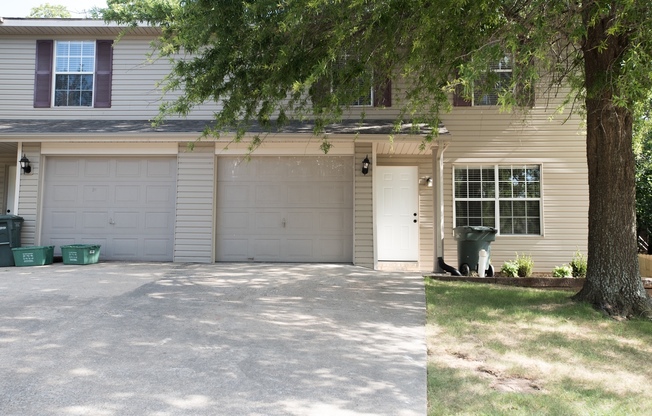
[613, 281]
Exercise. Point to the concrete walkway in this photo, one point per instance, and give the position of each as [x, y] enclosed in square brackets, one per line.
[221, 339]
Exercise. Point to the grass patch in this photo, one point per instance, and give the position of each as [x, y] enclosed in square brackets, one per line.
[498, 350]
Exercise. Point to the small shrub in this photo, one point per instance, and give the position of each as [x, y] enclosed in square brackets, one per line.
[509, 269]
[562, 271]
[578, 264]
[525, 265]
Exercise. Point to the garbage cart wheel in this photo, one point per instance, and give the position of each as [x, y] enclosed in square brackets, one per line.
[465, 269]
[490, 271]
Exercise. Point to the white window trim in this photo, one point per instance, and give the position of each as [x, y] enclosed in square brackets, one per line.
[55, 73]
[497, 199]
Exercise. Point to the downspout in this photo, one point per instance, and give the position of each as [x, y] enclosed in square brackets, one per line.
[438, 205]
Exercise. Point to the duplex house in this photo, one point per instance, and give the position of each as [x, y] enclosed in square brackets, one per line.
[77, 104]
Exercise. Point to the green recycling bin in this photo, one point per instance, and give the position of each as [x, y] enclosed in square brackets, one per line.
[10, 227]
[470, 240]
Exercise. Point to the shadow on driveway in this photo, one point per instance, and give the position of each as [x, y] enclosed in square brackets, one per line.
[219, 339]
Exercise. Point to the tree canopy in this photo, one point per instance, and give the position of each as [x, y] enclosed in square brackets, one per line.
[48, 11]
[268, 60]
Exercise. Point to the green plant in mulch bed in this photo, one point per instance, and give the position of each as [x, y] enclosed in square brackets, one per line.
[562, 271]
[578, 264]
[522, 266]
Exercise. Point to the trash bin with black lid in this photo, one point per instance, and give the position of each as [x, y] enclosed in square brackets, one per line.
[470, 240]
[10, 227]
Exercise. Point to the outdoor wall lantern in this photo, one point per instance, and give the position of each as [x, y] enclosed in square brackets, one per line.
[426, 180]
[365, 165]
[24, 165]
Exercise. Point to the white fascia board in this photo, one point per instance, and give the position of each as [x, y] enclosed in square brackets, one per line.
[126, 149]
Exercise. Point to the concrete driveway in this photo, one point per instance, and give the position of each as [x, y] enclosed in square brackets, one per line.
[220, 339]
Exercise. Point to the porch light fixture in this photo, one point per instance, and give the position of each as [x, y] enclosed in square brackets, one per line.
[24, 165]
[365, 165]
[426, 180]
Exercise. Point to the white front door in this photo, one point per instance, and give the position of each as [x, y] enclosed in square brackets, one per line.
[397, 213]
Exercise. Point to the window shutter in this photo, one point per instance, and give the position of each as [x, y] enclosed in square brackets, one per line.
[43, 73]
[458, 98]
[103, 73]
[383, 94]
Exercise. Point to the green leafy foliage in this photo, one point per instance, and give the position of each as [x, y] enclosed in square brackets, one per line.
[522, 266]
[562, 271]
[578, 265]
[509, 269]
[48, 10]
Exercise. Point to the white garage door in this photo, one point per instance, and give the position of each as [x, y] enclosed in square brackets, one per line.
[285, 209]
[125, 204]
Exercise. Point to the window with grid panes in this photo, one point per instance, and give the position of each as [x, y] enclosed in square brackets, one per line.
[74, 67]
[504, 197]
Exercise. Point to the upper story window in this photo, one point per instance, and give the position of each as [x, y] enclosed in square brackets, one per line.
[500, 80]
[379, 93]
[507, 197]
[503, 72]
[73, 73]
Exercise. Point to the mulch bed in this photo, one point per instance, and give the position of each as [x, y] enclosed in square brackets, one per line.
[534, 282]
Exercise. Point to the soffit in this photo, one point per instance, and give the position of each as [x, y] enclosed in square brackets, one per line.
[69, 27]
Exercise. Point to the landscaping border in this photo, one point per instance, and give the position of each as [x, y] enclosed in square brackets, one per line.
[561, 283]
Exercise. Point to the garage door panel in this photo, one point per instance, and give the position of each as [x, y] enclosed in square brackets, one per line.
[126, 204]
[233, 195]
[267, 248]
[300, 249]
[333, 222]
[125, 248]
[95, 194]
[334, 194]
[155, 246]
[127, 194]
[96, 168]
[271, 195]
[157, 220]
[266, 222]
[129, 220]
[295, 206]
[159, 193]
[128, 168]
[67, 194]
[235, 222]
[235, 249]
[65, 168]
[95, 220]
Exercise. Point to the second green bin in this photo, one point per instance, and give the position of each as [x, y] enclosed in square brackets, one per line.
[80, 253]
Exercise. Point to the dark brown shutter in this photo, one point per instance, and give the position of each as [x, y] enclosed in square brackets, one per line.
[383, 94]
[103, 73]
[43, 73]
[458, 97]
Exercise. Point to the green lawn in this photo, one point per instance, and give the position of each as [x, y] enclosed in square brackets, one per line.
[496, 350]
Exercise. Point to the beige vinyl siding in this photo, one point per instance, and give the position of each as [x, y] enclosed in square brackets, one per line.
[426, 212]
[363, 236]
[135, 93]
[482, 135]
[29, 195]
[194, 227]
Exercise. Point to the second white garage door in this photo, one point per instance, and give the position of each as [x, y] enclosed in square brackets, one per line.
[285, 209]
[125, 204]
